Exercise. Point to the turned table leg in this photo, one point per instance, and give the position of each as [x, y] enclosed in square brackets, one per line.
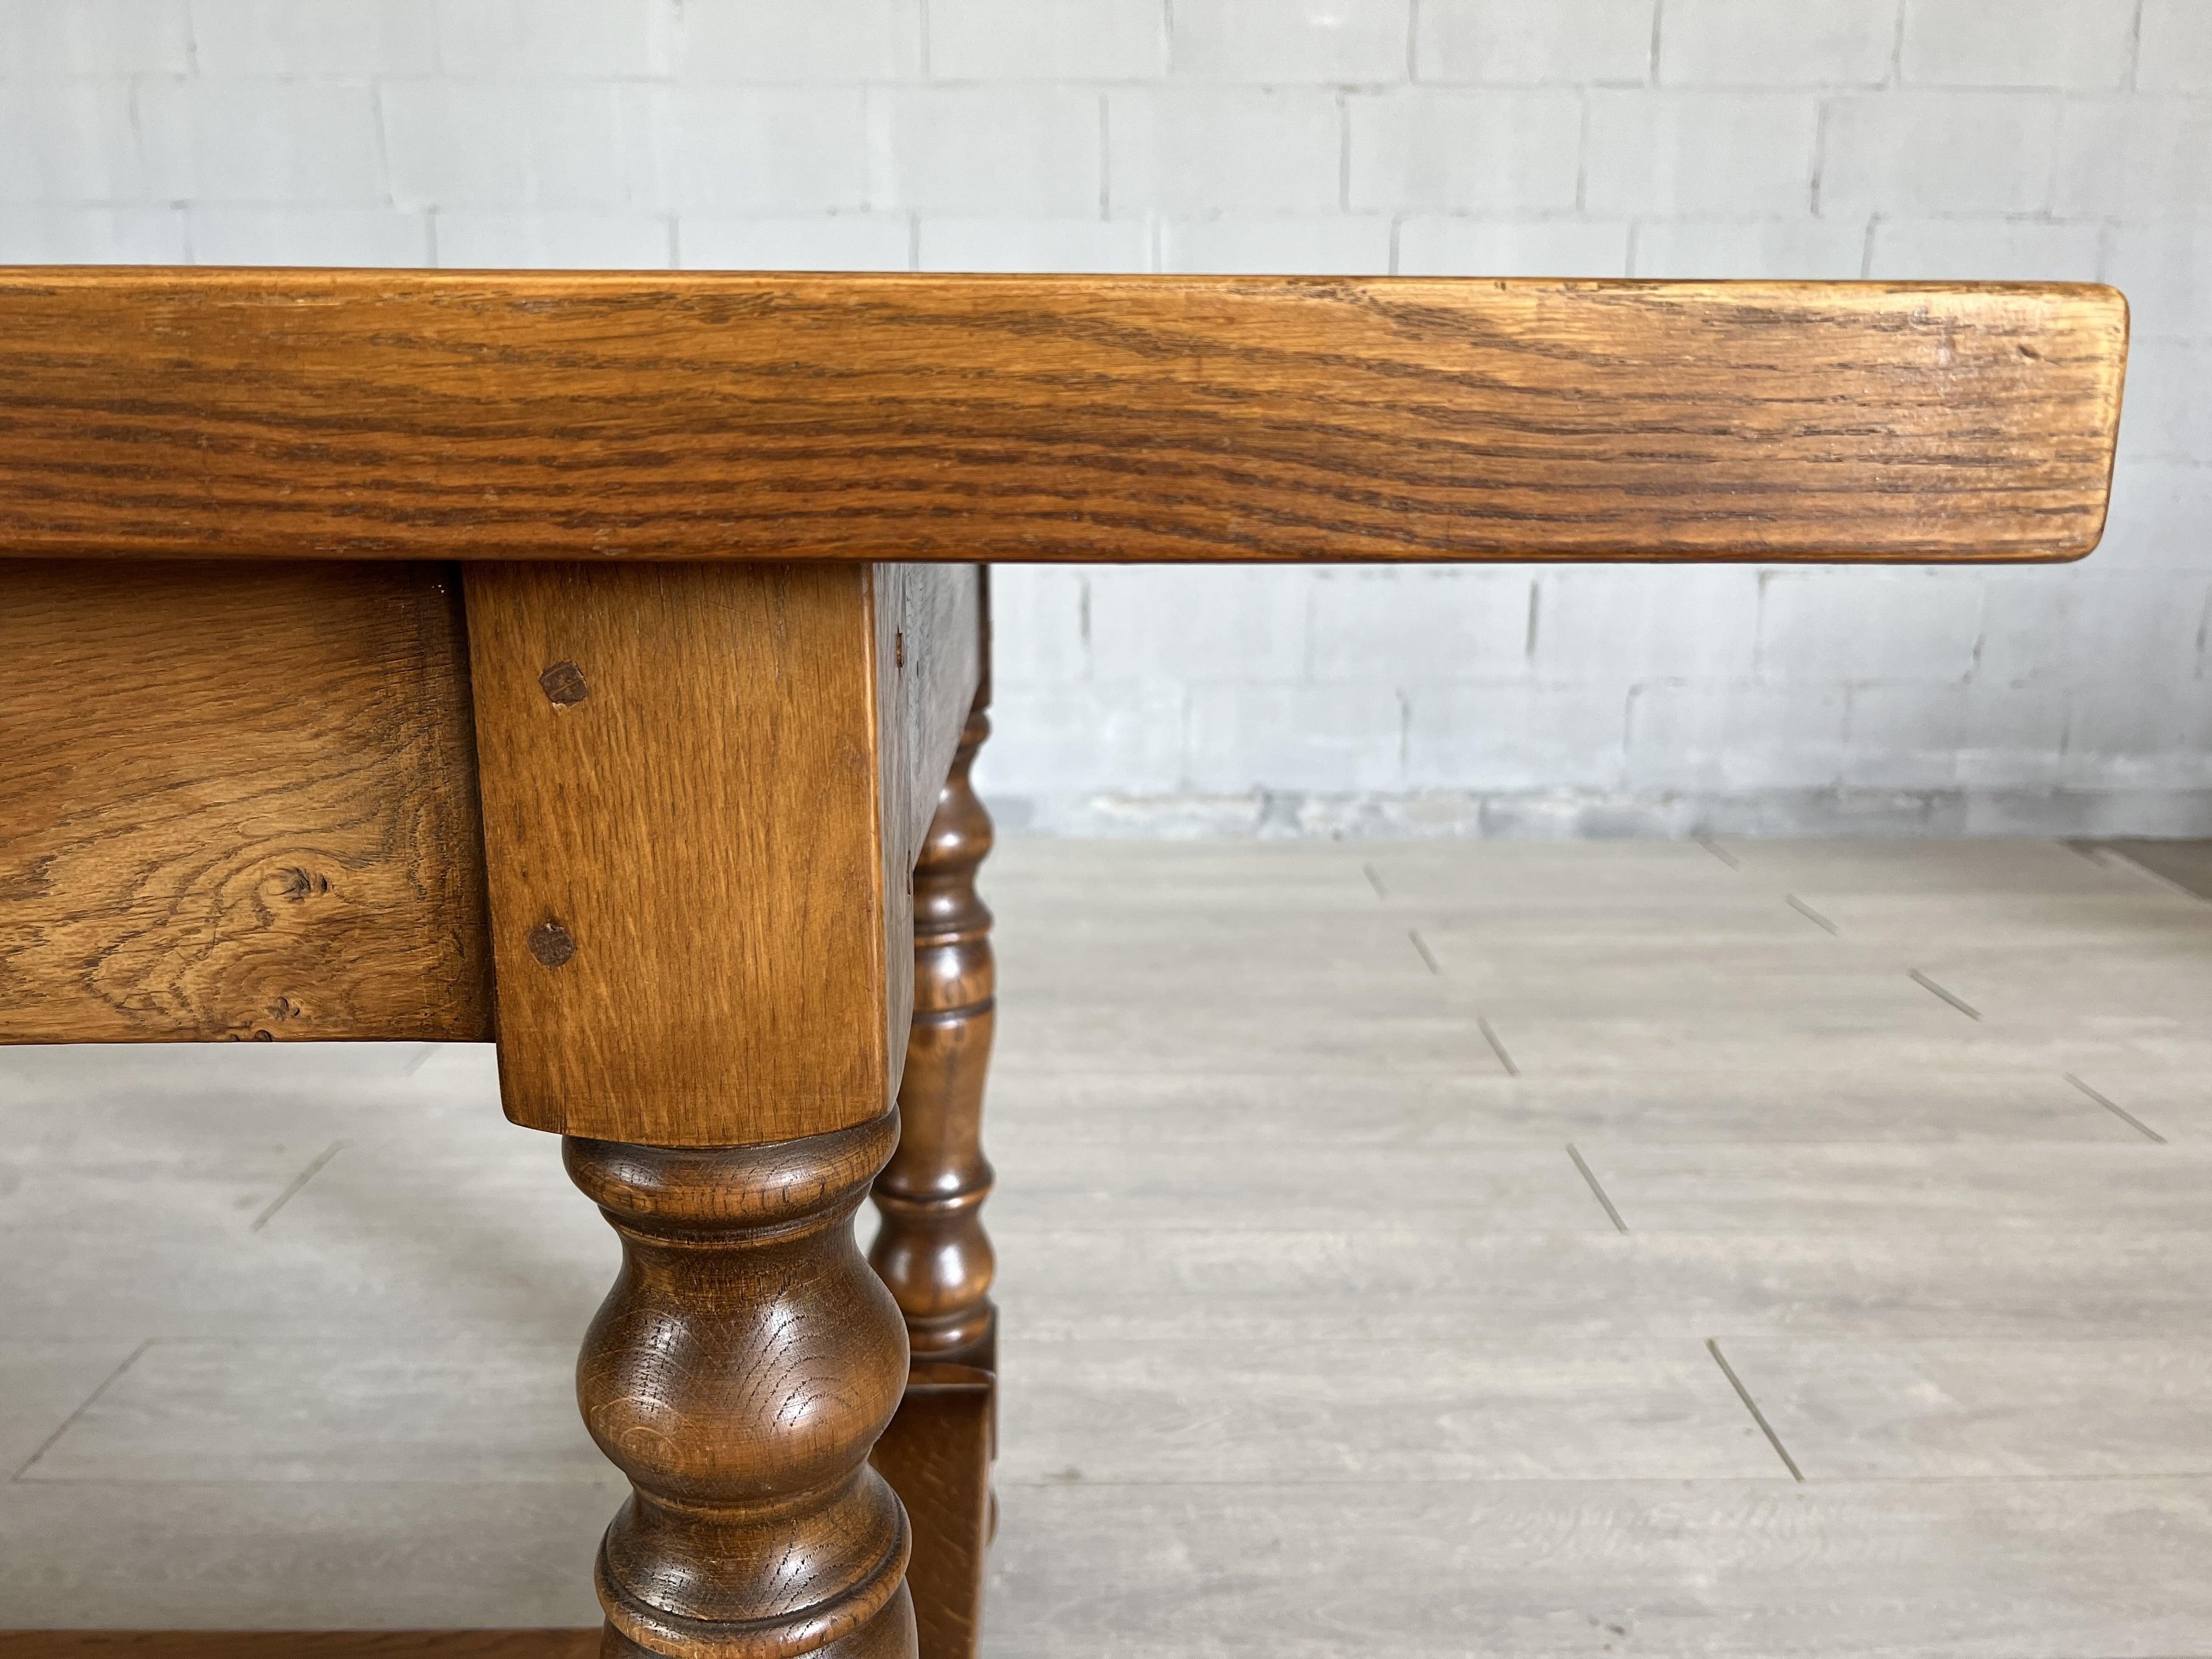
[931, 1250]
[737, 1373]
[700, 788]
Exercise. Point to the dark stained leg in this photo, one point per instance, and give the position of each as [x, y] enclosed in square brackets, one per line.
[931, 1250]
[937, 1455]
[738, 1373]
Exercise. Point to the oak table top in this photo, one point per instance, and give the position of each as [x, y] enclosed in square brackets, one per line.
[411, 415]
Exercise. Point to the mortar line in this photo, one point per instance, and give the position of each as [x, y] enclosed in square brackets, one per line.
[1344, 151]
[1958, 1002]
[1596, 1191]
[1490, 1037]
[1427, 956]
[1582, 147]
[1374, 881]
[1819, 157]
[1720, 853]
[90, 1400]
[1713, 1347]
[2118, 1111]
[1809, 913]
[301, 1180]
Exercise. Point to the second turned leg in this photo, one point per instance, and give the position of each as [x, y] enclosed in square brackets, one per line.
[931, 1250]
[738, 1373]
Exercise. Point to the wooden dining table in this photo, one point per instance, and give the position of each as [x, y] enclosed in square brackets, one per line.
[592, 662]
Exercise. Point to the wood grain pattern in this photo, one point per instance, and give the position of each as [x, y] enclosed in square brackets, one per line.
[237, 801]
[937, 1457]
[737, 1373]
[697, 799]
[932, 1248]
[302, 1644]
[937, 656]
[416, 414]
[928, 630]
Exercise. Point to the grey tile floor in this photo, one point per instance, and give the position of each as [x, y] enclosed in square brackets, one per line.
[1765, 1248]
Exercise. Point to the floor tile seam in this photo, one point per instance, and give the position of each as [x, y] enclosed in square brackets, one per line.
[1766, 1484]
[1755, 1145]
[1060, 1071]
[1878, 1230]
[1588, 1133]
[1425, 1237]
[1743, 1394]
[22, 1473]
[1780, 1479]
[200, 1482]
[612, 1483]
[2117, 1110]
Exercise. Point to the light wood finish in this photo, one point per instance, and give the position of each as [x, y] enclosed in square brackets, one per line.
[937, 1457]
[302, 1644]
[740, 1369]
[413, 414]
[240, 803]
[699, 787]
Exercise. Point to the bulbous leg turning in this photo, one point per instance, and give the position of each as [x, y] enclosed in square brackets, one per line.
[931, 1250]
[738, 1373]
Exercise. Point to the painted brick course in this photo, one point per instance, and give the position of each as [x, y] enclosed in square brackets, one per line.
[2063, 139]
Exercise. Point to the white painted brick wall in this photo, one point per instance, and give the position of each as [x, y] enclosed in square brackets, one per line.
[1444, 244]
[2176, 51]
[1066, 41]
[1453, 149]
[1520, 737]
[1015, 151]
[1188, 149]
[309, 38]
[1759, 43]
[2077, 45]
[827, 43]
[1279, 41]
[1915, 153]
[1571, 43]
[2065, 139]
[99, 38]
